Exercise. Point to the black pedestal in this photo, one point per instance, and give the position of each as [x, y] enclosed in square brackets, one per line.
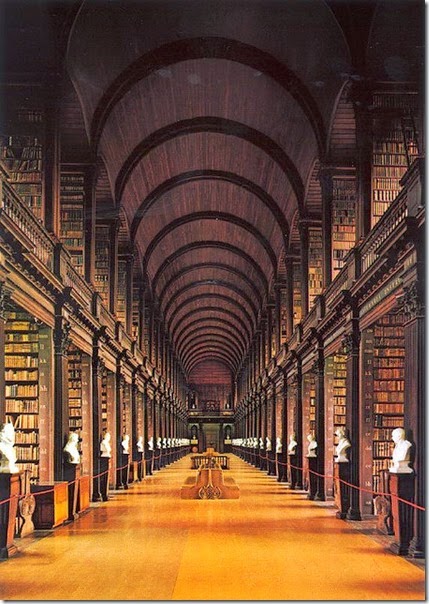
[342, 495]
[402, 485]
[71, 475]
[123, 472]
[311, 476]
[9, 489]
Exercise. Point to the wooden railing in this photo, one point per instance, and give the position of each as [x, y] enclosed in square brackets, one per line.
[37, 238]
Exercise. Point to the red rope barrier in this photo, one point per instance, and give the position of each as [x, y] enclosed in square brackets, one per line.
[349, 484]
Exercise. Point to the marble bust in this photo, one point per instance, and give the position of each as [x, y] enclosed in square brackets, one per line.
[312, 446]
[261, 443]
[342, 447]
[292, 445]
[268, 444]
[105, 446]
[401, 453]
[150, 444]
[7, 452]
[164, 443]
[126, 445]
[279, 446]
[139, 443]
[71, 452]
[159, 443]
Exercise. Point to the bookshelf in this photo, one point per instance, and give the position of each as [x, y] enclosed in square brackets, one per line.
[102, 262]
[23, 158]
[309, 405]
[126, 410]
[122, 292]
[74, 356]
[343, 220]
[297, 293]
[388, 389]
[104, 417]
[22, 387]
[339, 392]
[315, 256]
[72, 216]
[394, 146]
[135, 327]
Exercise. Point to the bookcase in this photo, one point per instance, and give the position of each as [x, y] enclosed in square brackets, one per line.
[394, 145]
[283, 315]
[23, 158]
[315, 270]
[102, 262]
[135, 309]
[297, 293]
[339, 392]
[104, 416]
[122, 292]
[343, 220]
[309, 406]
[72, 216]
[22, 387]
[75, 388]
[388, 389]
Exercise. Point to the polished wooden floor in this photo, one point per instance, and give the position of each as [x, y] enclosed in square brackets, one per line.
[148, 544]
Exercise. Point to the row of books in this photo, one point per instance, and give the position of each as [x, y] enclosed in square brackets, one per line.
[22, 405]
[25, 422]
[21, 374]
[12, 390]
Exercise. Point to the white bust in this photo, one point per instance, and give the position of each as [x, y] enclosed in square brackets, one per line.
[7, 452]
[268, 443]
[279, 446]
[261, 443]
[401, 453]
[342, 447]
[164, 443]
[71, 452]
[168, 442]
[140, 447]
[291, 448]
[126, 445]
[150, 444]
[312, 446]
[158, 443]
[105, 446]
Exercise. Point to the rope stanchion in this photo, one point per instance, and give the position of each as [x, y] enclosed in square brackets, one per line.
[353, 486]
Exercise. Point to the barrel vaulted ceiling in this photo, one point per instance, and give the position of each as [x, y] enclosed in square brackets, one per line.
[211, 119]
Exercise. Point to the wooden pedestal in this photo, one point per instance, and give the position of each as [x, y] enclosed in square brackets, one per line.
[342, 499]
[83, 496]
[52, 504]
[72, 475]
[281, 468]
[311, 467]
[123, 472]
[402, 485]
[149, 463]
[271, 463]
[9, 489]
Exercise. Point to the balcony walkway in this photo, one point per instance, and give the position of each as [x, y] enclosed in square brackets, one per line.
[148, 544]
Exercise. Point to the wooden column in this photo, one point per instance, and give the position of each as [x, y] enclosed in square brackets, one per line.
[361, 98]
[90, 223]
[61, 386]
[299, 457]
[129, 294]
[303, 232]
[353, 419]
[319, 371]
[113, 263]
[325, 176]
[97, 368]
[52, 157]
[289, 295]
[415, 368]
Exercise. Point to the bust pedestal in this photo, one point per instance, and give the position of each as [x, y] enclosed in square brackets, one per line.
[72, 475]
[341, 472]
[149, 462]
[271, 469]
[9, 489]
[281, 468]
[138, 471]
[402, 485]
[103, 478]
[123, 472]
[311, 467]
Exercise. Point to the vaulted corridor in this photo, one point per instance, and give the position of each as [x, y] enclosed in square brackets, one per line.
[148, 544]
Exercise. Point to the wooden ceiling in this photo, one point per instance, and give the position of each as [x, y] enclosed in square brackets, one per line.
[210, 121]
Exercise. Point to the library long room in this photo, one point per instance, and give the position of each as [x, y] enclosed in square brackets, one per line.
[212, 326]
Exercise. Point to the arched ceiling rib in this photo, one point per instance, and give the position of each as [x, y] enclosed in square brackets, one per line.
[207, 329]
[211, 311]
